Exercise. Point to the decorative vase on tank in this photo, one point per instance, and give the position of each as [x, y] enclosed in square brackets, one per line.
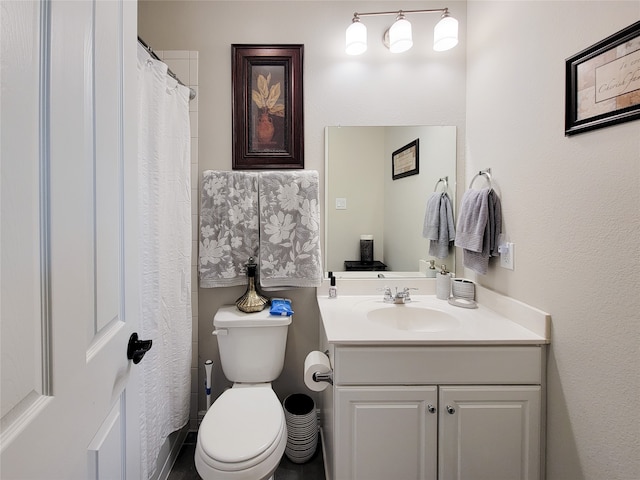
[252, 300]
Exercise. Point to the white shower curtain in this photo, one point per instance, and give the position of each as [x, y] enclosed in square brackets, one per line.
[165, 251]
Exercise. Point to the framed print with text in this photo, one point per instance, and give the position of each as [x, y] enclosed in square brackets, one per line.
[603, 83]
[406, 160]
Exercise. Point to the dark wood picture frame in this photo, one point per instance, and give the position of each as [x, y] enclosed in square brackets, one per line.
[603, 83]
[268, 124]
[406, 160]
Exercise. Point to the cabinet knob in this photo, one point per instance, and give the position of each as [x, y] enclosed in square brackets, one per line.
[450, 410]
[431, 408]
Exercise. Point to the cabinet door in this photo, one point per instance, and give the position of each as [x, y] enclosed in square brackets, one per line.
[385, 433]
[489, 433]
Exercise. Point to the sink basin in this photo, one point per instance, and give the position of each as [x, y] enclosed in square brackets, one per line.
[415, 319]
[363, 319]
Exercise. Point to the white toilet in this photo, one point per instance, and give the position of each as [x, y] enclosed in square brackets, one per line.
[244, 433]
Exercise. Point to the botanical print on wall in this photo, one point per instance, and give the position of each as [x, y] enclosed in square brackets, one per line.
[268, 111]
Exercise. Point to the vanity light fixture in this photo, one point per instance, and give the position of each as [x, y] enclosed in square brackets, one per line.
[445, 33]
[356, 43]
[398, 38]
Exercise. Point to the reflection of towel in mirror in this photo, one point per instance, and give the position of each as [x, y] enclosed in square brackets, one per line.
[228, 227]
[289, 229]
[438, 225]
[479, 225]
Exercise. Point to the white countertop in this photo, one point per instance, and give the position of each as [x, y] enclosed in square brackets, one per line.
[507, 322]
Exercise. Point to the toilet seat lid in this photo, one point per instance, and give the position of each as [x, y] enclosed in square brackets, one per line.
[241, 424]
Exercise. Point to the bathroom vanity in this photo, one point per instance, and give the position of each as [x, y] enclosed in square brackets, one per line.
[431, 391]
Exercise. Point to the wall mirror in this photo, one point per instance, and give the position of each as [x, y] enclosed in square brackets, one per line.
[362, 198]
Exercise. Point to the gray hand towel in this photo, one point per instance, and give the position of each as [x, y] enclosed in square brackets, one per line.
[482, 224]
[431, 227]
[472, 219]
[495, 222]
[439, 247]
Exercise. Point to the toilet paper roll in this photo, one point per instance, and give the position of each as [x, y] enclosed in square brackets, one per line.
[316, 362]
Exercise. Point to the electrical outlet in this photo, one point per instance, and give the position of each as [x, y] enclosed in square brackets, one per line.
[507, 255]
[341, 203]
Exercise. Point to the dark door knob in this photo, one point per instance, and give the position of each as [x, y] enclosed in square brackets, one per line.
[137, 348]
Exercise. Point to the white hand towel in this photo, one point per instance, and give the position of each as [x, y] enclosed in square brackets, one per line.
[228, 227]
[289, 229]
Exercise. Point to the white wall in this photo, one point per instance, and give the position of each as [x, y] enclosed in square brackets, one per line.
[572, 207]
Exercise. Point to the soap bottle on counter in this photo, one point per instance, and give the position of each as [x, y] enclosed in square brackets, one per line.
[333, 290]
[431, 269]
[443, 283]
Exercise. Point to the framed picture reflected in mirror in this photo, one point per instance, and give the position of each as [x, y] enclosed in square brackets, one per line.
[406, 160]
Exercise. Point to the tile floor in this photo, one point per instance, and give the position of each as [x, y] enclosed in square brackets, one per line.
[184, 468]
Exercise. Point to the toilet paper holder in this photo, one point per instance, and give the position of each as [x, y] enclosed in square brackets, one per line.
[317, 370]
[323, 377]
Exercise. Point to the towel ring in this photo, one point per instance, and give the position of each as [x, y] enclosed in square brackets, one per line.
[486, 173]
[444, 180]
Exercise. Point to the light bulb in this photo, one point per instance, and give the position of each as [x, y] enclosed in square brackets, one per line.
[356, 38]
[445, 33]
[400, 35]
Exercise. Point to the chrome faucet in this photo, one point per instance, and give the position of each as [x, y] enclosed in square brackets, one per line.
[399, 297]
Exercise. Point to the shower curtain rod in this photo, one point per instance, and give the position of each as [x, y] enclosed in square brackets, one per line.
[192, 92]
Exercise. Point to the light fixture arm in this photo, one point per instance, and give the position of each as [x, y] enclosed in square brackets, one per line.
[400, 12]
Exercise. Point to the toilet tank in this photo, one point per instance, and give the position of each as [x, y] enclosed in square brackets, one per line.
[251, 345]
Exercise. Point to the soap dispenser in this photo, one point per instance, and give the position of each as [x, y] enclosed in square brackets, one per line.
[443, 283]
[431, 270]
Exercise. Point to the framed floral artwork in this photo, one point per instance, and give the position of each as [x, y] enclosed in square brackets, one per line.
[603, 83]
[268, 124]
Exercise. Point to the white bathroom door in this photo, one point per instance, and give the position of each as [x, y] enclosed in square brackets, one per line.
[69, 285]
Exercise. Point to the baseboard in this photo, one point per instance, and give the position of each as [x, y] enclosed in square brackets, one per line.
[327, 475]
[201, 414]
[169, 453]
